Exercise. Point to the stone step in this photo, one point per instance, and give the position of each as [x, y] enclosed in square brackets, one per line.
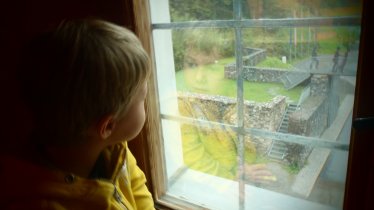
[284, 127]
[276, 156]
[285, 122]
[292, 79]
[283, 131]
[279, 149]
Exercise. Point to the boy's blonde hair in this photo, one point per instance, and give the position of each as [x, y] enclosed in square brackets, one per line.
[77, 74]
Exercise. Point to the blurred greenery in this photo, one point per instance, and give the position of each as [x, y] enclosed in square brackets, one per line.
[194, 47]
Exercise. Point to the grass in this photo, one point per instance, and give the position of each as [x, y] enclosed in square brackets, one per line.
[274, 62]
[209, 79]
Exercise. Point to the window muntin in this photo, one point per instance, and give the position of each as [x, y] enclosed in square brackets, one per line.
[185, 179]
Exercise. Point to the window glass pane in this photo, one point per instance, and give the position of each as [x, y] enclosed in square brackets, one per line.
[196, 66]
[296, 170]
[309, 89]
[298, 176]
[210, 150]
[187, 10]
[210, 162]
[256, 9]
[284, 68]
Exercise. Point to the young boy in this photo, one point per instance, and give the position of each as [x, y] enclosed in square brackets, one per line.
[85, 83]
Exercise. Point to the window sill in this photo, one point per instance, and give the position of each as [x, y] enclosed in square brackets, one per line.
[213, 192]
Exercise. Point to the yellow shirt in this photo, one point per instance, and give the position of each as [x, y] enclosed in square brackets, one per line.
[26, 185]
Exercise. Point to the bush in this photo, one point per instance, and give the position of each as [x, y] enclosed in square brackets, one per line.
[179, 49]
[274, 62]
[201, 46]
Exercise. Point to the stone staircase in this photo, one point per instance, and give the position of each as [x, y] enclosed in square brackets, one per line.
[278, 149]
[293, 78]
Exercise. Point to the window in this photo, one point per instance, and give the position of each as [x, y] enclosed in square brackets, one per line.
[255, 102]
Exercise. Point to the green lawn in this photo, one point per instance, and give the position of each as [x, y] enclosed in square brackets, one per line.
[209, 79]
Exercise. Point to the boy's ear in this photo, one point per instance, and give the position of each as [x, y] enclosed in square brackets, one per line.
[106, 126]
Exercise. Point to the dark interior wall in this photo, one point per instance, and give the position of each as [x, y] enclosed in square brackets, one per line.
[21, 20]
[360, 179]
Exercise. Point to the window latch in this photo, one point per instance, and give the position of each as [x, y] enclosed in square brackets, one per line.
[363, 123]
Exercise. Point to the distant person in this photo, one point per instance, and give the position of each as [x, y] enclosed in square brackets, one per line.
[341, 67]
[315, 60]
[335, 60]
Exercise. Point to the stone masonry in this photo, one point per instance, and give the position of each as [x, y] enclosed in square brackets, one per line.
[223, 109]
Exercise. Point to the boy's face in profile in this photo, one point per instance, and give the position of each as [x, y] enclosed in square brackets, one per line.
[129, 125]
